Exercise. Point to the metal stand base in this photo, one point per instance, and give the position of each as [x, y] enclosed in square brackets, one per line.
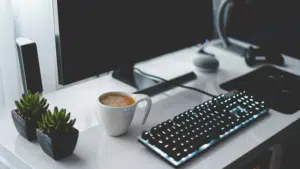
[147, 85]
[233, 48]
[129, 76]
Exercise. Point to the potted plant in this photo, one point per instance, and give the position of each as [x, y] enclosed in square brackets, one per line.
[56, 134]
[29, 110]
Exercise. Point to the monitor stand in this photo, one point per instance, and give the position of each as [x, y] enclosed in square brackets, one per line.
[148, 85]
[233, 48]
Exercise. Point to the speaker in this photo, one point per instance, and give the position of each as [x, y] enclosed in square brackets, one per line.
[29, 65]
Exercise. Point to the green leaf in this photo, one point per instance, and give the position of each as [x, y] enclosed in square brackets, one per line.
[57, 122]
[20, 108]
[63, 113]
[49, 113]
[24, 102]
[47, 119]
[37, 96]
[45, 125]
[24, 97]
[68, 117]
[57, 125]
[46, 108]
[42, 102]
[55, 109]
[36, 110]
[39, 124]
[72, 123]
[51, 125]
[44, 118]
[55, 115]
[51, 120]
[60, 115]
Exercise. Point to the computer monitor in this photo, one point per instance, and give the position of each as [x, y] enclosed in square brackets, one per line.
[93, 37]
[271, 24]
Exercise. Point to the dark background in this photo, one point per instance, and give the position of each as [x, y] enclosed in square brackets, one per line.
[273, 24]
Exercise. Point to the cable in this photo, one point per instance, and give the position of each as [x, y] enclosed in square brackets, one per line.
[179, 85]
[225, 4]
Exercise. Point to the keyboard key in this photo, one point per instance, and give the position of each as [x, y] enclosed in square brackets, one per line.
[170, 122]
[172, 135]
[173, 142]
[165, 147]
[172, 151]
[165, 124]
[178, 156]
[216, 133]
[146, 135]
[157, 135]
[164, 133]
[160, 143]
[168, 130]
[154, 130]
[200, 141]
[159, 127]
[167, 139]
[153, 140]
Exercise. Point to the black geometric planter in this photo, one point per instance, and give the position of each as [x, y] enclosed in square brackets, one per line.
[26, 128]
[59, 146]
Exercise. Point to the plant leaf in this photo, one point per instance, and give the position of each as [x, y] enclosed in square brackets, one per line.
[63, 113]
[67, 118]
[55, 109]
[24, 102]
[20, 107]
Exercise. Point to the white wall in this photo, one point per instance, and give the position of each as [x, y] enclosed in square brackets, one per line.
[34, 19]
[10, 88]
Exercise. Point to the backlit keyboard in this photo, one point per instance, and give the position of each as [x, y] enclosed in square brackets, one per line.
[179, 139]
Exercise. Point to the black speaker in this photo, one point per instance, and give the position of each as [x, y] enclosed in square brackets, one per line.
[29, 64]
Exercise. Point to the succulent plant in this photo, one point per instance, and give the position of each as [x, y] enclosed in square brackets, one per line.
[57, 122]
[32, 106]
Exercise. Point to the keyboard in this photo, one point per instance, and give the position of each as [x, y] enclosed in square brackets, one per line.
[188, 134]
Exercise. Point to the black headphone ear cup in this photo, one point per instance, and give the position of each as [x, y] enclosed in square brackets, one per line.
[248, 56]
[249, 62]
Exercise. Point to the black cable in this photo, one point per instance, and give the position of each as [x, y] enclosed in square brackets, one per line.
[179, 85]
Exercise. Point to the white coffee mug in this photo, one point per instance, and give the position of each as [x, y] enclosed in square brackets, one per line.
[116, 120]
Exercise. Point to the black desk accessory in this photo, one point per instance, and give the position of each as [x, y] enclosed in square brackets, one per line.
[206, 62]
[254, 56]
[29, 65]
[147, 86]
[280, 89]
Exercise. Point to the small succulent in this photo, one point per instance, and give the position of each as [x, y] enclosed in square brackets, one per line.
[32, 106]
[57, 122]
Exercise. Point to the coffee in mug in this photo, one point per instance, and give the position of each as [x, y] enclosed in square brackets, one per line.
[116, 100]
[116, 110]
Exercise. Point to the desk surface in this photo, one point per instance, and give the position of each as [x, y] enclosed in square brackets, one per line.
[97, 150]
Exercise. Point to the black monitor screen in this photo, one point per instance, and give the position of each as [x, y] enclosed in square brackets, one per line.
[272, 24]
[97, 36]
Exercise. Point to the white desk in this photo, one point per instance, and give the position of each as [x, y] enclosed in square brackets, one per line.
[97, 150]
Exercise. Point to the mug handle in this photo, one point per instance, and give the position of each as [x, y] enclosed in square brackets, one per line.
[140, 98]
